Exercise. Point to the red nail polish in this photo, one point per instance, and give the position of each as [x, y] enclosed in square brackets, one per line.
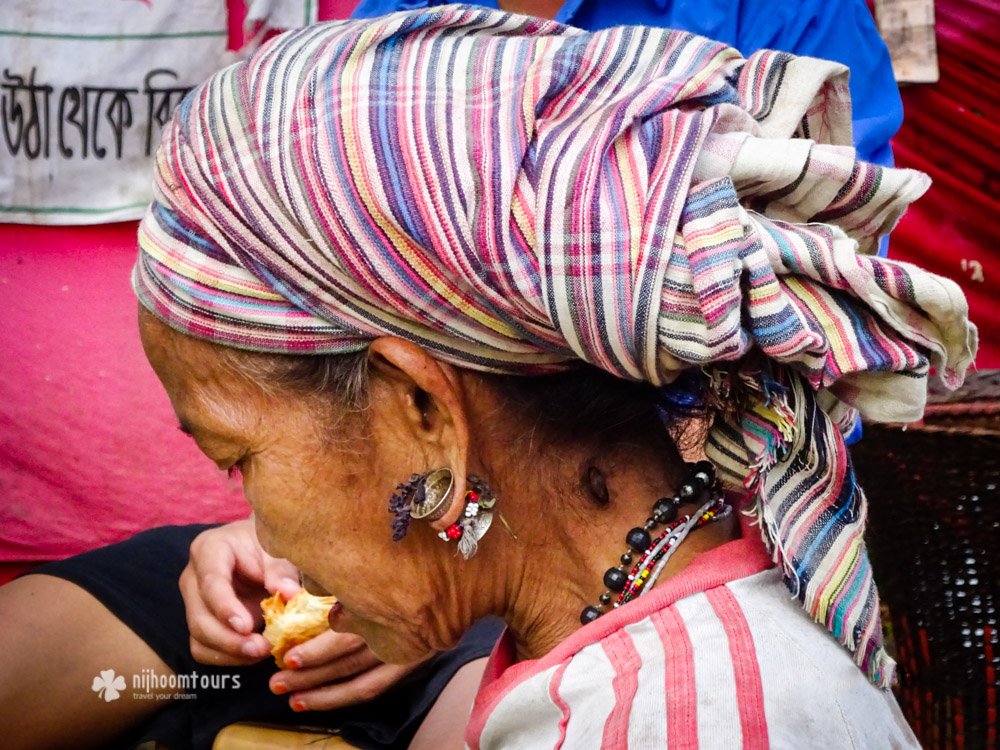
[279, 689]
[293, 663]
[298, 706]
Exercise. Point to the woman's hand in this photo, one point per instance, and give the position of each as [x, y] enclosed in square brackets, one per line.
[227, 575]
[334, 670]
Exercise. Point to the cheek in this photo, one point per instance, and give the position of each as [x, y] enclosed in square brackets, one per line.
[312, 514]
[285, 506]
[329, 516]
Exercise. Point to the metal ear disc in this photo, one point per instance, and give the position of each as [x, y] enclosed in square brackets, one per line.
[431, 500]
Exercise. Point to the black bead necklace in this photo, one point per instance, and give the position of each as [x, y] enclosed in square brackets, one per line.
[700, 483]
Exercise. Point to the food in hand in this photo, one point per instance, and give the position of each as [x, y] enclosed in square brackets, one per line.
[301, 618]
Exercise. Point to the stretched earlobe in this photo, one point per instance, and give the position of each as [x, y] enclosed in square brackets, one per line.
[432, 497]
[454, 507]
[423, 496]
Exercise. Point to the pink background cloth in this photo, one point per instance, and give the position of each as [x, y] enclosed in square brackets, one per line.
[90, 452]
[951, 131]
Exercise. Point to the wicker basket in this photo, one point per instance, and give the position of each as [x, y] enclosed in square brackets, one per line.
[934, 538]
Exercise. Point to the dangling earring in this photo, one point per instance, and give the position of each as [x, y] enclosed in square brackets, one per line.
[475, 520]
[427, 497]
[423, 496]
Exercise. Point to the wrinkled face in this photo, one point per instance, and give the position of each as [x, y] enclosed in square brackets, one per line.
[319, 483]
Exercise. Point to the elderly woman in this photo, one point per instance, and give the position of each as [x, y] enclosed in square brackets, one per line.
[447, 287]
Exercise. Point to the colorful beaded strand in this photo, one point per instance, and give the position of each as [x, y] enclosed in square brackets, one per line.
[637, 569]
[639, 541]
[660, 553]
[715, 508]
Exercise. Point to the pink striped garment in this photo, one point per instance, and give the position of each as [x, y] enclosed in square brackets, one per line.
[718, 657]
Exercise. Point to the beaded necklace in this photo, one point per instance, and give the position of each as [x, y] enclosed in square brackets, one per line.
[654, 553]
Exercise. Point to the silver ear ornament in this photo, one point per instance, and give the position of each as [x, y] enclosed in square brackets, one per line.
[433, 495]
[476, 518]
[423, 496]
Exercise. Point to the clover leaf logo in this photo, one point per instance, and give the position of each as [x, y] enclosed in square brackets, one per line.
[107, 685]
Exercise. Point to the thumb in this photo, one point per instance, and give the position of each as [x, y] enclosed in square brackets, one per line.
[281, 576]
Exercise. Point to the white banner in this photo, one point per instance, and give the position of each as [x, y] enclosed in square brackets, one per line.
[86, 88]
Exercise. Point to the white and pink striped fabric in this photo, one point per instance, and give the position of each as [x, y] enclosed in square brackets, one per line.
[718, 657]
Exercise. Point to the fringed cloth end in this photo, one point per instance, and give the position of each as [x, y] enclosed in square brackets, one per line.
[772, 437]
[879, 666]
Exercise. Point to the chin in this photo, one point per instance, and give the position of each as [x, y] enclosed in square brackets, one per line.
[394, 648]
[390, 645]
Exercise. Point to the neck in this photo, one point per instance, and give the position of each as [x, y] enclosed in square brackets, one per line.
[556, 566]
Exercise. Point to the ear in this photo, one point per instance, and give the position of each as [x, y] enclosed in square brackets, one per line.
[432, 401]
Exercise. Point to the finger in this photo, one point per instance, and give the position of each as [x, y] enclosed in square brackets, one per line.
[214, 635]
[195, 607]
[352, 665]
[364, 687]
[221, 601]
[280, 576]
[205, 654]
[213, 562]
[323, 649]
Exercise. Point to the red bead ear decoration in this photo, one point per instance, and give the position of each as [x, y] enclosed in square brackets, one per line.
[475, 520]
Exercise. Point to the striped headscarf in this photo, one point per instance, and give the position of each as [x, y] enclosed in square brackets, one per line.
[515, 196]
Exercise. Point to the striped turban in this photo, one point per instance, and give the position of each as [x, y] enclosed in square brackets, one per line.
[515, 196]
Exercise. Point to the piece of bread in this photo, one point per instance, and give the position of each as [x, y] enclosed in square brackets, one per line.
[296, 621]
